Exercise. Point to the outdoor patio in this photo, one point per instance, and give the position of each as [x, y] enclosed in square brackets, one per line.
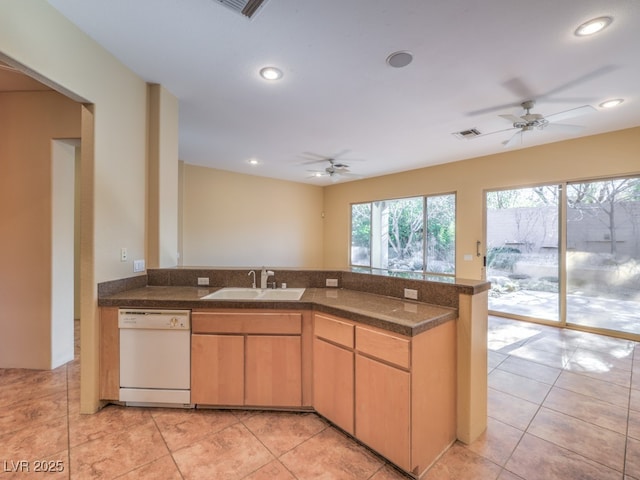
[620, 315]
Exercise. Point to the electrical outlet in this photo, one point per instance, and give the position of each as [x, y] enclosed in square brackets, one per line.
[203, 280]
[410, 293]
[123, 254]
[138, 266]
[331, 282]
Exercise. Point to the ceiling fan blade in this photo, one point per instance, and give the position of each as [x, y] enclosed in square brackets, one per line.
[518, 87]
[563, 127]
[340, 154]
[317, 158]
[581, 79]
[316, 155]
[514, 139]
[568, 99]
[511, 118]
[496, 108]
[310, 162]
[493, 133]
[574, 112]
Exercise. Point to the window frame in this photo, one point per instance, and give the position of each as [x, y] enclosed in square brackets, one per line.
[424, 272]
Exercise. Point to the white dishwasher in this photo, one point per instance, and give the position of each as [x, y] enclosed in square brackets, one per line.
[155, 357]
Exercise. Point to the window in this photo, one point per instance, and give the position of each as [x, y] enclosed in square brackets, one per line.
[391, 234]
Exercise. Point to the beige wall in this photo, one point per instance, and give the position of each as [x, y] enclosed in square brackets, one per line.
[114, 150]
[50, 45]
[230, 219]
[162, 218]
[28, 123]
[615, 153]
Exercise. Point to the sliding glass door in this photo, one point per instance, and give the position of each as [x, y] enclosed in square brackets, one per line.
[568, 253]
[603, 254]
[522, 252]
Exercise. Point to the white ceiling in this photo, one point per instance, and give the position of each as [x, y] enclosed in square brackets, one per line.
[473, 60]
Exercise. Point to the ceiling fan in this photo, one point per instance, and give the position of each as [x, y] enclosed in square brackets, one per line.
[535, 121]
[335, 168]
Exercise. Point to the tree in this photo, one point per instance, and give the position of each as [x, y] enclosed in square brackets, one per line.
[592, 198]
[361, 225]
[405, 226]
[441, 230]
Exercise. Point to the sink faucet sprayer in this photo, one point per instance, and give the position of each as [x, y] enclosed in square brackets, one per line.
[253, 285]
[264, 275]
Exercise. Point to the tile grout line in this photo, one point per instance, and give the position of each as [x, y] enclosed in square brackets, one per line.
[241, 421]
[563, 369]
[526, 430]
[153, 419]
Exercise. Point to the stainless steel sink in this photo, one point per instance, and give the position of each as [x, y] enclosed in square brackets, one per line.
[258, 294]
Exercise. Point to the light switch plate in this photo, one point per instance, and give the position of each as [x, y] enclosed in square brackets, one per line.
[138, 266]
[331, 282]
[203, 280]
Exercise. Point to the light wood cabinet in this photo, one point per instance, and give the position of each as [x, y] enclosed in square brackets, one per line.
[217, 369]
[333, 385]
[273, 370]
[383, 409]
[383, 394]
[250, 358]
[402, 402]
[394, 393]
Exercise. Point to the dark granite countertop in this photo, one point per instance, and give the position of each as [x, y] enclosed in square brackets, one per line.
[405, 317]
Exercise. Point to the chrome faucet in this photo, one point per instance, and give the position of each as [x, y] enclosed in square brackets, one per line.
[253, 285]
[264, 275]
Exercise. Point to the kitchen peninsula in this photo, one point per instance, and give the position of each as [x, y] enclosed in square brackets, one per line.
[405, 377]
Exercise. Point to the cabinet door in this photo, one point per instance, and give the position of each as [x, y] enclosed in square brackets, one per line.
[274, 371]
[383, 410]
[333, 383]
[217, 369]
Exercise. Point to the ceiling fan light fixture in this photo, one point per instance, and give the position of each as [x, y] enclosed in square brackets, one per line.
[271, 73]
[593, 26]
[611, 103]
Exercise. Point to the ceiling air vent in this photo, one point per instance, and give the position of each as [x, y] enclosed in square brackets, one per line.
[248, 8]
[471, 133]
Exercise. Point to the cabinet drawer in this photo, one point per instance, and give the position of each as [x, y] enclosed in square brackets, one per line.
[334, 330]
[250, 323]
[390, 348]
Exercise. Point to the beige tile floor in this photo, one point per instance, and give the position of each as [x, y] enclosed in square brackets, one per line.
[562, 405]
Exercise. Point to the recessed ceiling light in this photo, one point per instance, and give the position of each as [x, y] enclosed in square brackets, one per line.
[612, 103]
[253, 161]
[593, 26]
[400, 59]
[271, 73]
